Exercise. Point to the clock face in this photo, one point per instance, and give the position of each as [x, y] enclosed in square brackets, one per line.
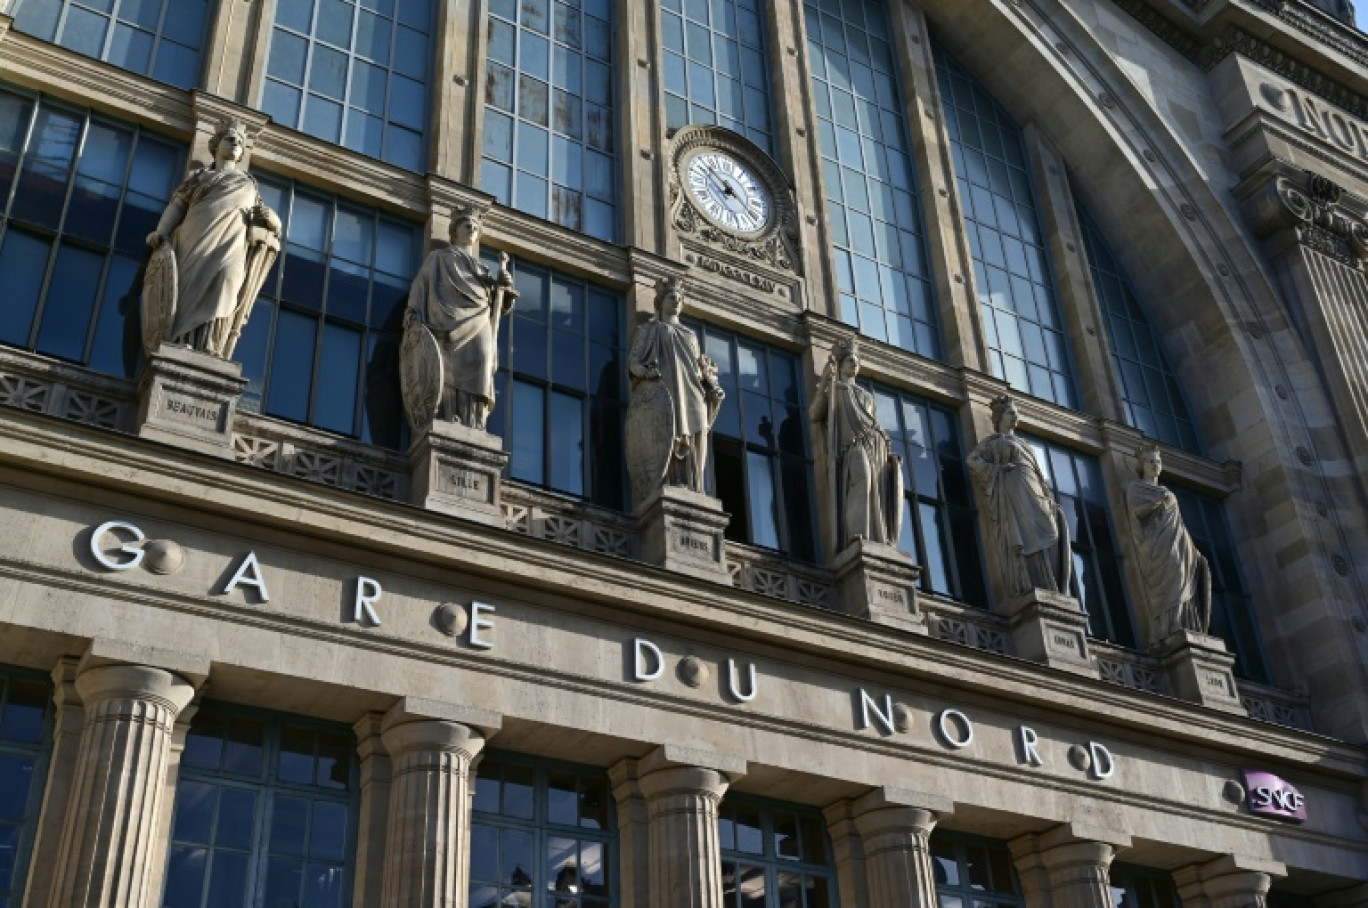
[727, 192]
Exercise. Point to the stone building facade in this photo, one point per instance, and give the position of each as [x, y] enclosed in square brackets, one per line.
[262, 643]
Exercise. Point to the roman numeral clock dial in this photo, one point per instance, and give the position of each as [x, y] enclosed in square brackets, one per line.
[727, 192]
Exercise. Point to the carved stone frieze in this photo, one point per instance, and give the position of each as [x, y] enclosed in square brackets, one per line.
[1313, 209]
[747, 257]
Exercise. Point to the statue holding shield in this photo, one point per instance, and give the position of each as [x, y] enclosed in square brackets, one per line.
[212, 249]
[675, 400]
[450, 349]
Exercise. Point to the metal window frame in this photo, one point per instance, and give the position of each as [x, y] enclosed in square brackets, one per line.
[957, 842]
[113, 16]
[269, 787]
[770, 860]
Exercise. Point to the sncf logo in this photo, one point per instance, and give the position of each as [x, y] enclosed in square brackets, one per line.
[1270, 796]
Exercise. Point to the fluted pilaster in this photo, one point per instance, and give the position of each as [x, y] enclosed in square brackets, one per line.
[113, 818]
[897, 853]
[1064, 870]
[427, 844]
[685, 851]
[1227, 882]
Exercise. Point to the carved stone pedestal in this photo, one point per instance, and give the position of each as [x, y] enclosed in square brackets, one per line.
[459, 471]
[1051, 628]
[682, 531]
[879, 582]
[188, 398]
[1199, 669]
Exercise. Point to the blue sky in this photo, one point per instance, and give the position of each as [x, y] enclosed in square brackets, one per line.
[1361, 8]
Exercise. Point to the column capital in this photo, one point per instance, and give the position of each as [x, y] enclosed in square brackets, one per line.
[1068, 866]
[1230, 881]
[105, 651]
[674, 769]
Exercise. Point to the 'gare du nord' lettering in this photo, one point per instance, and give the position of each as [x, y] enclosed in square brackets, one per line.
[117, 546]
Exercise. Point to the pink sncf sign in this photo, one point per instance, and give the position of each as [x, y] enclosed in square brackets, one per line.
[1270, 796]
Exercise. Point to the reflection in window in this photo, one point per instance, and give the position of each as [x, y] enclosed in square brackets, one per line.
[322, 345]
[1150, 393]
[872, 206]
[1232, 608]
[264, 815]
[157, 38]
[1026, 343]
[938, 524]
[25, 736]
[354, 73]
[1139, 887]
[548, 118]
[774, 856]
[541, 835]
[973, 873]
[80, 196]
[1078, 487]
[717, 67]
[561, 387]
[761, 467]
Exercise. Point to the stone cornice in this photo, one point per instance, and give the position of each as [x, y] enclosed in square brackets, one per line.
[294, 154]
[1312, 49]
[46, 455]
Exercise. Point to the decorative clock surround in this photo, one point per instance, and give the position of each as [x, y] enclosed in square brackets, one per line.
[729, 196]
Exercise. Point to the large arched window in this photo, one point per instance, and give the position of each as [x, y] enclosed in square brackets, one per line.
[872, 208]
[162, 39]
[1021, 320]
[717, 67]
[354, 73]
[1152, 398]
[549, 146]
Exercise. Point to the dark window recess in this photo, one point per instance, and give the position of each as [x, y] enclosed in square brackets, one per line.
[265, 813]
[25, 740]
[1079, 489]
[541, 827]
[78, 196]
[1141, 887]
[561, 386]
[322, 345]
[761, 463]
[774, 856]
[974, 873]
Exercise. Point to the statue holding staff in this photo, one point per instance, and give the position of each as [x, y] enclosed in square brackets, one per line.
[212, 249]
[675, 400]
[1177, 577]
[450, 349]
[1028, 537]
[866, 476]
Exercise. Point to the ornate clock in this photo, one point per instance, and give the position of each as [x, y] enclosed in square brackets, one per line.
[731, 203]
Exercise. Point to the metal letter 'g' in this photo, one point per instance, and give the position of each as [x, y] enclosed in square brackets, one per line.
[132, 549]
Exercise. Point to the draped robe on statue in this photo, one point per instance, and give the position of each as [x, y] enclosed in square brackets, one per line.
[452, 295]
[1177, 579]
[1024, 525]
[867, 481]
[211, 246]
[673, 350]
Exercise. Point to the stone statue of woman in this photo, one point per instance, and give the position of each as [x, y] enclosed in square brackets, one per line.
[866, 476]
[1176, 575]
[1028, 537]
[450, 350]
[212, 249]
[675, 400]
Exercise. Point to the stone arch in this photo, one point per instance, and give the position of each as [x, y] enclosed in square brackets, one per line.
[1149, 164]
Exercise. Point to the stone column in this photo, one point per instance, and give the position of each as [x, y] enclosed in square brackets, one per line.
[1067, 868]
[427, 844]
[66, 746]
[896, 838]
[113, 819]
[375, 777]
[634, 846]
[685, 851]
[847, 850]
[1227, 882]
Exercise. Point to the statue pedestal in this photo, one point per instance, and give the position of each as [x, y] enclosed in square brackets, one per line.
[879, 582]
[188, 398]
[1198, 668]
[458, 470]
[683, 531]
[1050, 627]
